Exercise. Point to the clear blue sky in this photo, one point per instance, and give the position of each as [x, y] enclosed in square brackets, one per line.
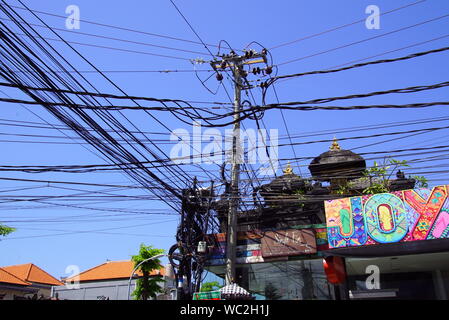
[38, 238]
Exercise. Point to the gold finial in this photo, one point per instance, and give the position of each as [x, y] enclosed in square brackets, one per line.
[335, 146]
[288, 169]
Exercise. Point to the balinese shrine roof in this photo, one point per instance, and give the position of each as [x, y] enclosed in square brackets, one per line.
[337, 163]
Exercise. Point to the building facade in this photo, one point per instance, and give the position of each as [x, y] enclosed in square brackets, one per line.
[109, 281]
[325, 237]
[25, 281]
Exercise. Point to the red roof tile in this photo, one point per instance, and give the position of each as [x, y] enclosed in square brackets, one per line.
[7, 277]
[111, 270]
[32, 273]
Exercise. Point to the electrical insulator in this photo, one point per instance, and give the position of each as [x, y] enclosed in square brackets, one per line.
[202, 247]
[256, 71]
[264, 51]
[219, 77]
[269, 70]
[223, 64]
[181, 282]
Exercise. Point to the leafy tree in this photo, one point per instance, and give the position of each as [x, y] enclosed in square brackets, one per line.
[271, 292]
[5, 230]
[379, 178]
[343, 189]
[147, 287]
[380, 174]
[210, 286]
[421, 181]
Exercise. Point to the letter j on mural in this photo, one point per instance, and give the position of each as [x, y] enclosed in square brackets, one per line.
[400, 216]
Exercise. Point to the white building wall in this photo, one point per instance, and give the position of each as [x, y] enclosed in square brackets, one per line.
[101, 290]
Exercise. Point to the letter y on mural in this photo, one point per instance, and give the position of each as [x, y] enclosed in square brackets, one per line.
[429, 207]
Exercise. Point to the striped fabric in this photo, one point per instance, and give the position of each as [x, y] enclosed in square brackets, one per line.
[233, 290]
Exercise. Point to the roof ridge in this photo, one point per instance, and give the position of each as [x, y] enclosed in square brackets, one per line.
[87, 270]
[29, 271]
[24, 272]
[14, 276]
[109, 270]
[32, 264]
[16, 265]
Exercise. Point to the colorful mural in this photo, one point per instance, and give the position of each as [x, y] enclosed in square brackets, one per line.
[400, 216]
[250, 247]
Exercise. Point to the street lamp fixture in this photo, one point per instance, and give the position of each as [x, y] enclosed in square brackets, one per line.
[132, 273]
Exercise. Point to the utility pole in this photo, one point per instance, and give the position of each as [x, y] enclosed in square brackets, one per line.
[235, 177]
[236, 63]
[188, 255]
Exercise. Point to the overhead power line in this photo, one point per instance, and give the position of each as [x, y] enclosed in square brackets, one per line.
[191, 28]
[114, 27]
[118, 71]
[284, 106]
[113, 151]
[411, 56]
[411, 89]
[415, 44]
[77, 32]
[343, 26]
[364, 40]
[101, 231]
[108, 47]
[108, 95]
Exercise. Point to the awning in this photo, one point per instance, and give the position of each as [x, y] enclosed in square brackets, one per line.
[392, 249]
[235, 292]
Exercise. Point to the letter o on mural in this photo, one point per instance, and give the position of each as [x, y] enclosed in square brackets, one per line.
[385, 218]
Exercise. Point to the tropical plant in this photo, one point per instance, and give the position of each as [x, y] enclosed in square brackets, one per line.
[380, 174]
[210, 286]
[146, 286]
[421, 181]
[343, 189]
[5, 230]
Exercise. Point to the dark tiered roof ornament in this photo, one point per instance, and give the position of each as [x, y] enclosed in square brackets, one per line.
[337, 163]
[283, 189]
[401, 182]
[288, 169]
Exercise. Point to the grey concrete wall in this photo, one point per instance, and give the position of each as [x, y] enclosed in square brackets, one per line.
[8, 294]
[100, 290]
